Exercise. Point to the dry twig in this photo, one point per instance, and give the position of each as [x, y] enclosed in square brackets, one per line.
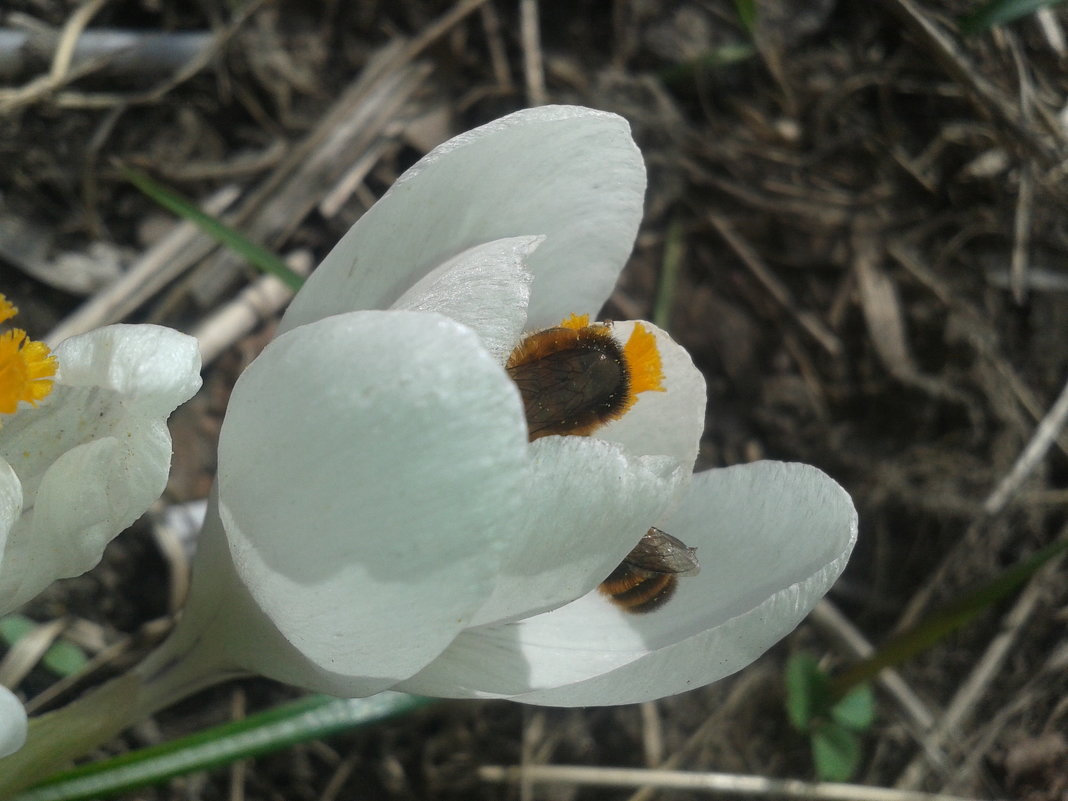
[128, 53]
[710, 783]
[255, 303]
[1049, 428]
[60, 72]
[533, 63]
[353, 124]
[990, 99]
[776, 288]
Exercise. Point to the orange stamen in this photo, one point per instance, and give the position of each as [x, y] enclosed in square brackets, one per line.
[7, 309]
[575, 322]
[643, 358]
[27, 367]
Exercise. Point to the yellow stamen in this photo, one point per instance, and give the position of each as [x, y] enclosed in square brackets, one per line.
[643, 358]
[26, 367]
[575, 321]
[7, 310]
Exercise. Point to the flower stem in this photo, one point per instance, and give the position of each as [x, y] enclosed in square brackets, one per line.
[55, 738]
[175, 670]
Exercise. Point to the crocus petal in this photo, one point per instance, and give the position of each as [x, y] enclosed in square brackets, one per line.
[487, 288]
[771, 537]
[370, 469]
[571, 174]
[10, 503]
[148, 366]
[94, 456]
[670, 422]
[587, 505]
[12, 723]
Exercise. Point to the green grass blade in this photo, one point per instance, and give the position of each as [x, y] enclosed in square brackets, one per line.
[998, 12]
[670, 267]
[259, 257]
[934, 628]
[307, 719]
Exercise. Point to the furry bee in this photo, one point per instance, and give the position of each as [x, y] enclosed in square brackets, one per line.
[646, 579]
[577, 377]
[572, 380]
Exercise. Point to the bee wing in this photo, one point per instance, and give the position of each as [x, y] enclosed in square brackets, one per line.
[659, 552]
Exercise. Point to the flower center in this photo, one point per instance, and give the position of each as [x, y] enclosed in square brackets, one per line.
[576, 377]
[26, 367]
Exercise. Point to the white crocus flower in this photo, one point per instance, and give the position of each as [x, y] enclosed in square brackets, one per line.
[380, 518]
[83, 461]
[84, 464]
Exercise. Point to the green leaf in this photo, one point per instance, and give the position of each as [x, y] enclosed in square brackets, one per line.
[14, 627]
[835, 752]
[63, 658]
[807, 691]
[857, 710]
[258, 257]
[309, 718]
[997, 12]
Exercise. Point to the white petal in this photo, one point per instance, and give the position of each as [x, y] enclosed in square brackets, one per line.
[569, 173]
[670, 422]
[224, 631]
[772, 539]
[370, 470]
[487, 288]
[10, 506]
[12, 723]
[95, 454]
[151, 367]
[587, 505]
[65, 531]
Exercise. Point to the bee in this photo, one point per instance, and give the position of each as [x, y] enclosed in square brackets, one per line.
[646, 579]
[576, 377]
[572, 380]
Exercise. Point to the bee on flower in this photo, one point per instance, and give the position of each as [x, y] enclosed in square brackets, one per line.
[424, 479]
